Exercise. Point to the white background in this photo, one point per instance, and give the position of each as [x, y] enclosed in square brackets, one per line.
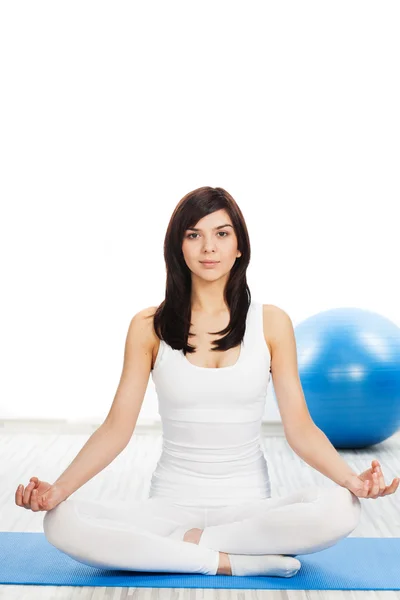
[111, 112]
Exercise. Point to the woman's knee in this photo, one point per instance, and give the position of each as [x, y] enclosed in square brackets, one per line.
[63, 529]
[343, 510]
[340, 508]
[351, 508]
[59, 522]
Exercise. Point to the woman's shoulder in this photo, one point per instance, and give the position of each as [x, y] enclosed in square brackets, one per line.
[272, 316]
[148, 312]
[146, 316]
[142, 321]
[271, 310]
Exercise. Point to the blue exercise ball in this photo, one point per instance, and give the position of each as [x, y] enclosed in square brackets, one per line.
[349, 367]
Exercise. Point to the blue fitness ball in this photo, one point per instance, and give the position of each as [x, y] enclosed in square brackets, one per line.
[349, 367]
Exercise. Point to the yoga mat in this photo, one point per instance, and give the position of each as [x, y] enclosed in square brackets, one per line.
[351, 564]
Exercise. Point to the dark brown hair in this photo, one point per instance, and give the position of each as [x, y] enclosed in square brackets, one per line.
[172, 317]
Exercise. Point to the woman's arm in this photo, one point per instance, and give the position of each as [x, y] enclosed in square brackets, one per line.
[304, 437]
[114, 434]
[314, 447]
[100, 450]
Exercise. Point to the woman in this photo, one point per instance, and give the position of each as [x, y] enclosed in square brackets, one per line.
[209, 508]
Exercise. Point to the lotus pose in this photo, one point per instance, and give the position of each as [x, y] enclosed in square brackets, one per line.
[209, 508]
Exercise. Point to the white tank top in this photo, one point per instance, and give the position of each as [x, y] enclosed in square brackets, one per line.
[211, 423]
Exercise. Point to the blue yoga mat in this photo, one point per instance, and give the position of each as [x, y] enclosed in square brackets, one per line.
[352, 564]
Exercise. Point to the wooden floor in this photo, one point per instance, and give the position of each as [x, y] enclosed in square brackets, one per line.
[45, 452]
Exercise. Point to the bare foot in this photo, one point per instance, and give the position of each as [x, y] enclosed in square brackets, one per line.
[193, 535]
[224, 567]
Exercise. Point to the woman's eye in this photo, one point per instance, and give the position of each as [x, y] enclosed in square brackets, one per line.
[225, 233]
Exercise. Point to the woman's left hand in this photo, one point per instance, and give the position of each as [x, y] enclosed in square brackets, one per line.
[371, 483]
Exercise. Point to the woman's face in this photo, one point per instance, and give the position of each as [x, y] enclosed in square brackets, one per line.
[212, 238]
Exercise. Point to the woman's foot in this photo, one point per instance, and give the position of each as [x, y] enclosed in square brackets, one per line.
[224, 567]
[193, 535]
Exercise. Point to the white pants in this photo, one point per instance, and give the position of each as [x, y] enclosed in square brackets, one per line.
[136, 536]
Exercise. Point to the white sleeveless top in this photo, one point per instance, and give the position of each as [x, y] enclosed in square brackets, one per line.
[211, 422]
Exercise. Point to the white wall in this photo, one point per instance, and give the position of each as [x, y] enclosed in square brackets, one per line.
[110, 113]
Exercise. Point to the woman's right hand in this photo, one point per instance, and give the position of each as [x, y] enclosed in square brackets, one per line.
[39, 495]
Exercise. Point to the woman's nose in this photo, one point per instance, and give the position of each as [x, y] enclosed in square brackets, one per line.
[209, 245]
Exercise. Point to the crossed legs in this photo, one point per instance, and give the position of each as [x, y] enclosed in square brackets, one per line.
[306, 521]
[309, 520]
[140, 537]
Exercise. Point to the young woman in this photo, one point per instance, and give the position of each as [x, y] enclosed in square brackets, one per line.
[210, 349]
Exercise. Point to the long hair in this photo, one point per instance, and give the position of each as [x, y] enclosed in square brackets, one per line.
[172, 317]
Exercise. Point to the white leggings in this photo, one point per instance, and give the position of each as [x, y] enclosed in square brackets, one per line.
[148, 535]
